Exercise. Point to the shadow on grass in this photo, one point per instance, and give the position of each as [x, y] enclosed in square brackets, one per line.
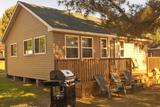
[2, 71]
[141, 98]
[17, 101]
[15, 94]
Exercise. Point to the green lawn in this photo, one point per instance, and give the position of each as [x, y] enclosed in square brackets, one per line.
[16, 94]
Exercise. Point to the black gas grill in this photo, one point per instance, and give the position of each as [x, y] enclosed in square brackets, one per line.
[62, 87]
[64, 77]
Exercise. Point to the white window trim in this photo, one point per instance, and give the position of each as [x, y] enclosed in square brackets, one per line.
[11, 50]
[87, 48]
[122, 49]
[23, 47]
[136, 48]
[71, 46]
[107, 48]
[40, 53]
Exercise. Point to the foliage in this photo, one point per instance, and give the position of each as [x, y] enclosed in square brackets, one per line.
[156, 39]
[6, 17]
[0, 27]
[137, 21]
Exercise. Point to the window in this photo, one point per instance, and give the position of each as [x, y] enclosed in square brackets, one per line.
[72, 46]
[104, 48]
[87, 47]
[112, 48]
[40, 45]
[141, 48]
[136, 48]
[13, 50]
[28, 47]
[122, 48]
[117, 49]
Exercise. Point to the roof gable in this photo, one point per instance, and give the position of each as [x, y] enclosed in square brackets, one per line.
[61, 19]
[57, 19]
[14, 16]
[11, 21]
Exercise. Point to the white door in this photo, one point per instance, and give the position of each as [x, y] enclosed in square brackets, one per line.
[138, 58]
[129, 50]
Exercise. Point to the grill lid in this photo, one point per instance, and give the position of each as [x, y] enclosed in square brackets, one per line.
[67, 73]
[62, 78]
[62, 75]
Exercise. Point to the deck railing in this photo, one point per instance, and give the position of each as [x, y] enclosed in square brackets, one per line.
[86, 69]
[153, 62]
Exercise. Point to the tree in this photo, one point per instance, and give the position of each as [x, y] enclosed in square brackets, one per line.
[156, 39]
[6, 17]
[138, 20]
[0, 27]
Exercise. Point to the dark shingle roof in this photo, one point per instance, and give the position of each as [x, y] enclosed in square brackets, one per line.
[60, 19]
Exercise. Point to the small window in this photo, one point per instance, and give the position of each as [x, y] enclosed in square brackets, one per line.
[104, 48]
[28, 47]
[40, 45]
[112, 48]
[136, 48]
[13, 50]
[141, 48]
[87, 47]
[122, 48]
[72, 46]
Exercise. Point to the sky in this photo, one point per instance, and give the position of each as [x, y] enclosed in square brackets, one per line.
[4, 4]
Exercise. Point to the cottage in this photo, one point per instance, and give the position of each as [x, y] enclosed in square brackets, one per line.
[39, 39]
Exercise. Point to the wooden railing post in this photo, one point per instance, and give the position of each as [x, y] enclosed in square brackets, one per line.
[130, 60]
[147, 60]
[80, 69]
[109, 67]
[55, 64]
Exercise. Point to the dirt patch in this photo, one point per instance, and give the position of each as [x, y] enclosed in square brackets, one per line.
[149, 97]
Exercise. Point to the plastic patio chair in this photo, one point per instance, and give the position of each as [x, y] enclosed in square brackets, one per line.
[119, 86]
[104, 85]
[130, 81]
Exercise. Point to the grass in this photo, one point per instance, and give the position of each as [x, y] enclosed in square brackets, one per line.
[16, 94]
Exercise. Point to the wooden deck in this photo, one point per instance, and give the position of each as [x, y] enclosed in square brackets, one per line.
[153, 62]
[86, 69]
